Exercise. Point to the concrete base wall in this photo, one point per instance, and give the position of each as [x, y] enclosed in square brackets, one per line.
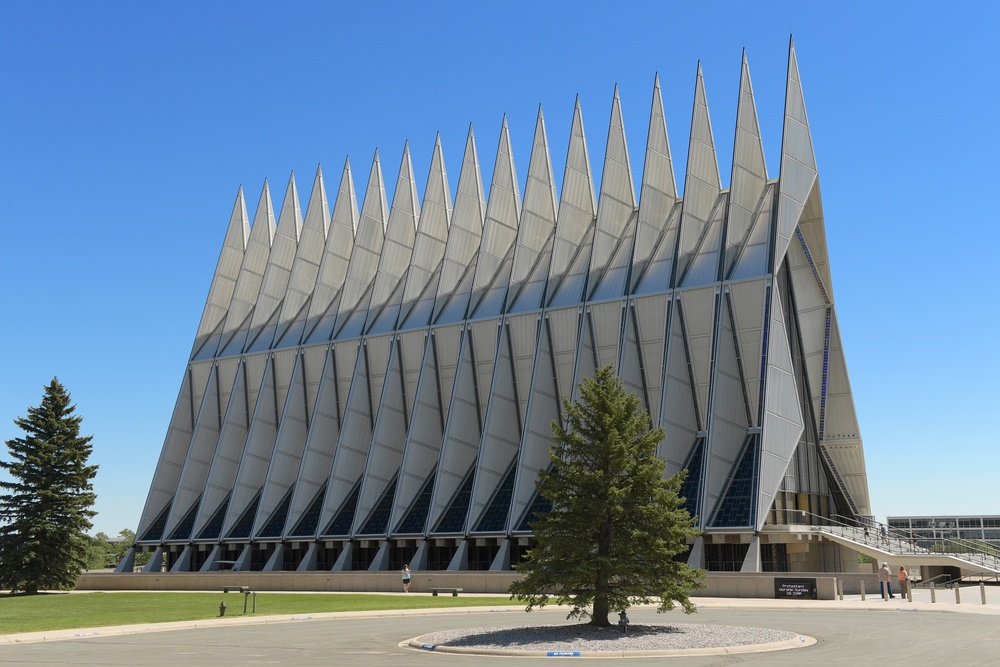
[718, 584]
[359, 582]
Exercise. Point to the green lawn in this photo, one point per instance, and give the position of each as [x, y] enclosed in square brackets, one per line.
[33, 613]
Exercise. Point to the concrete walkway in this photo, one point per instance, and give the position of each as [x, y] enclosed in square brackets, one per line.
[846, 633]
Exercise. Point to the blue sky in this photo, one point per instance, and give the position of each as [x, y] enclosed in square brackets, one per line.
[127, 128]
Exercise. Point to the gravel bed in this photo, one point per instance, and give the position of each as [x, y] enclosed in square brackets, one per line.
[584, 637]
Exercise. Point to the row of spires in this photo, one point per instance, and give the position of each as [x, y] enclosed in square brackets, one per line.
[352, 272]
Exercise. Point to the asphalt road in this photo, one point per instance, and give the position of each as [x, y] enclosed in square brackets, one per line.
[889, 636]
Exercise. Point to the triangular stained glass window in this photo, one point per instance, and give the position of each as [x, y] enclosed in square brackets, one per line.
[539, 505]
[276, 523]
[378, 520]
[245, 523]
[738, 506]
[213, 529]
[692, 484]
[494, 519]
[186, 525]
[306, 527]
[453, 520]
[341, 524]
[155, 530]
[416, 516]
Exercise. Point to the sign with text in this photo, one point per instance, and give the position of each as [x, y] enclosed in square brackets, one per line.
[795, 589]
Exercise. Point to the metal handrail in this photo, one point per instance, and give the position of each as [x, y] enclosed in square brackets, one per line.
[870, 532]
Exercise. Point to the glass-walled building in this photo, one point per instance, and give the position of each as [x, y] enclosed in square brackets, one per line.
[375, 384]
[934, 530]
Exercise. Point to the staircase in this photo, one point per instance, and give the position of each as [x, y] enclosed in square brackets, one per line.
[883, 543]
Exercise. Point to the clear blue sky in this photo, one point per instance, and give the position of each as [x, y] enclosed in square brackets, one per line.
[126, 129]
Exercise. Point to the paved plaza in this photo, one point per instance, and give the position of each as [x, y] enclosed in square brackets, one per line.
[850, 631]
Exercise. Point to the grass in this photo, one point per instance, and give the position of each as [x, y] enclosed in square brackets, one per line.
[33, 613]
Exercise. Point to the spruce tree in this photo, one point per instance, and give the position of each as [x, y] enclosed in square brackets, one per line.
[616, 524]
[45, 509]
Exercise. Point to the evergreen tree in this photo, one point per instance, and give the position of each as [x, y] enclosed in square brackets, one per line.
[616, 524]
[45, 507]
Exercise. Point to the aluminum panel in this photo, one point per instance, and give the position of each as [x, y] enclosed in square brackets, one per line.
[368, 244]
[523, 337]
[578, 206]
[563, 327]
[199, 456]
[256, 454]
[274, 286]
[305, 268]
[354, 439]
[324, 427]
[615, 278]
[397, 248]
[749, 177]
[462, 435]
[656, 277]
[698, 308]
[728, 421]
[336, 258]
[536, 226]
[542, 410]
[429, 245]
[680, 418]
[650, 315]
[483, 346]
[617, 201]
[747, 303]
[248, 284]
[658, 191]
[569, 289]
[422, 448]
[388, 438]
[500, 225]
[753, 258]
[466, 229]
[783, 420]
[288, 447]
[227, 272]
[704, 268]
[501, 431]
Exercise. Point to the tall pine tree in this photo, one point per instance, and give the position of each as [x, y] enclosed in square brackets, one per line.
[616, 524]
[45, 508]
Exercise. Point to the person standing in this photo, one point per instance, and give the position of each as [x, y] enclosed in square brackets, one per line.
[406, 577]
[904, 582]
[884, 581]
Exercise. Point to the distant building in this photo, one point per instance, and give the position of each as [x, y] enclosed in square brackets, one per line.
[928, 530]
[367, 390]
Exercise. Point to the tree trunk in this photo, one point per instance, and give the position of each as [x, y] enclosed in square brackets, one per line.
[600, 615]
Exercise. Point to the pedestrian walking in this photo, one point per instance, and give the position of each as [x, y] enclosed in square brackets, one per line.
[884, 581]
[885, 535]
[406, 577]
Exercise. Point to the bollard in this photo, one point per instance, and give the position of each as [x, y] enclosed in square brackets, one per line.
[958, 595]
[222, 609]
[982, 591]
[909, 591]
[255, 602]
[884, 586]
[862, 590]
[933, 594]
[840, 587]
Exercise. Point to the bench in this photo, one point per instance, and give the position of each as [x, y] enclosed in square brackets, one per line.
[454, 591]
[238, 589]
